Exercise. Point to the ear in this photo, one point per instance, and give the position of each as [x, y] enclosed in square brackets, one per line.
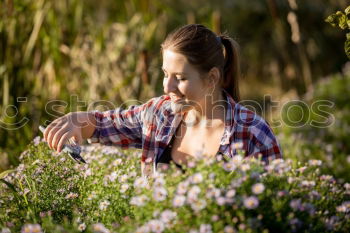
[213, 77]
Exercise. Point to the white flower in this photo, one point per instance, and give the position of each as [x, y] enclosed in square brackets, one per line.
[141, 182]
[196, 178]
[113, 176]
[238, 145]
[198, 205]
[156, 225]
[124, 188]
[229, 229]
[167, 216]
[221, 201]
[159, 194]
[205, 228]
[179, 200]
[117, 162]
[104, 204]
[314, 162]
[237, 159]
[251, 202]
[123, 178]
[192, 194]
[159, 182]
[31, 228]
[99, 228]
[182, 187]
[213, 192]
[143, 229]
[71, 196]
[245, 167]
[231, 193]
[139, 200]
[82, 227]
[258, 188]
[229, 166]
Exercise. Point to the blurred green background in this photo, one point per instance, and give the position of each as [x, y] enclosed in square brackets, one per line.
[71, 55]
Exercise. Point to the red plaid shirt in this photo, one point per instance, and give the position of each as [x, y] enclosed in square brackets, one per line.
[150, 127]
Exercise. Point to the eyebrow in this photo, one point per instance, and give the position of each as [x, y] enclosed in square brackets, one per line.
[175, 72]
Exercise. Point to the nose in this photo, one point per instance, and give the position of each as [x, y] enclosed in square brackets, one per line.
[169, 84]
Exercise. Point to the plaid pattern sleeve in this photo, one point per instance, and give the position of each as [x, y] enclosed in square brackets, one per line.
[127, 128]
[256, 135]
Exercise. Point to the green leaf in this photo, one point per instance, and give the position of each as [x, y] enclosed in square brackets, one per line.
[347, 10]
[11, 186]
[3, 174]
[347, 45]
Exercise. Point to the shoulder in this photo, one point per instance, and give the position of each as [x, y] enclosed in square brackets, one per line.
[258, 129]
[155, 108]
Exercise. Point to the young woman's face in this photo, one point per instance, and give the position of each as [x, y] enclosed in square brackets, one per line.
[182, 82]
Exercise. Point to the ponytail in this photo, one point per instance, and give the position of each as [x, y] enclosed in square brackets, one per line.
[231, 68]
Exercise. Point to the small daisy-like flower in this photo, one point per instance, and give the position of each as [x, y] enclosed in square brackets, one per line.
[139, 200]
[192, 194]
[167, 216]
[251, 202]
[31, 228]
[196, 178]
[143, 229]
[238, 145]
[159, 194]
[113, 176]
[156, 225]
[245, 167]
[104, 204]
[99, 228]
[221, 201]
[123, 178]
[205, 228]
[229, 229]
[124, 188]
[258, 188]
[182, 187]
[71, 196]
[198, 205]
[117, 162]
[141, 182]
[231, 193]
[179, 200]
[315, 162]
[159, 182]
[81, 227]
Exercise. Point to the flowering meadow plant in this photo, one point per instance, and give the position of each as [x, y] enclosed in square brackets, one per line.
[49, 192]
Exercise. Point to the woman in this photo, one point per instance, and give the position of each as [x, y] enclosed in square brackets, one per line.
[199, 112]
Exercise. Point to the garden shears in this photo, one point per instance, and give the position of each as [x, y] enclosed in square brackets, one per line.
[72, 149]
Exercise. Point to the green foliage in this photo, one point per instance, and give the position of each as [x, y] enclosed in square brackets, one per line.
[49, 192]
[342, 20]
[322, 128]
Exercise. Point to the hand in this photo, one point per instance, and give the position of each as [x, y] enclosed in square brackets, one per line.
[63, 128]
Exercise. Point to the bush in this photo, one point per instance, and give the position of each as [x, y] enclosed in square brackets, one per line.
[48, 192]
[323, 133]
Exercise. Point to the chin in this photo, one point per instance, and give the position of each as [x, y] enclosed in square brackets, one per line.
[179, 108]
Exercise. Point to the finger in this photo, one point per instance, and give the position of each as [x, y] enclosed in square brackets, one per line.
[78, 139]
[51, 134]
[62, 141]
[57, 136]
[48, 129]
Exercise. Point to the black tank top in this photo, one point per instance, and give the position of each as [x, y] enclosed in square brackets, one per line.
[166, 158]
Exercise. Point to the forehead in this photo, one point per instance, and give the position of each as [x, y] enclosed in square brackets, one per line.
[175, 62]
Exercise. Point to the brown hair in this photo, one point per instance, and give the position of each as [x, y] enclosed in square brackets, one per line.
[205, 50]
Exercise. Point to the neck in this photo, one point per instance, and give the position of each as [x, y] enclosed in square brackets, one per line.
[210, 113]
